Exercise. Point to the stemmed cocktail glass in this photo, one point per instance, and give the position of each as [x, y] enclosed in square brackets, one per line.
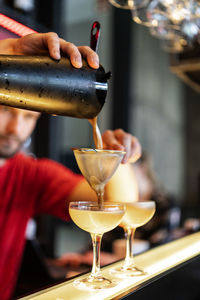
[97, 166]
[96, 219]
[136, 215]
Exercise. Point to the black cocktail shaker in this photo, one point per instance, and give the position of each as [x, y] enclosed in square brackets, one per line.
[42, 84]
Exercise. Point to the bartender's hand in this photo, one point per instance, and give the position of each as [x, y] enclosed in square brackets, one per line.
[49, 43]
[123, 141]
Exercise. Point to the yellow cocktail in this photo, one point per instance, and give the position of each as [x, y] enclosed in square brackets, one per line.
[136, 215]
[96, 219]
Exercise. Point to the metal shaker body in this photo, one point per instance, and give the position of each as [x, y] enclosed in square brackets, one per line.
[42, 84]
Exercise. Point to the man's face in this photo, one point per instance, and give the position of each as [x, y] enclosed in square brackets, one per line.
[16, 125]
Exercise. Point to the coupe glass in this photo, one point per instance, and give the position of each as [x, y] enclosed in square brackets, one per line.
[96, 219]
[136, 215]
[168, 12]
[190, 29]
[166, 32]
[176, 45]
[140, 15]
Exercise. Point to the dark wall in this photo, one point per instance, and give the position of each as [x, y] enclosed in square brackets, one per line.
[192, 116]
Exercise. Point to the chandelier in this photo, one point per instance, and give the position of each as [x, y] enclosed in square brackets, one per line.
[175, 22]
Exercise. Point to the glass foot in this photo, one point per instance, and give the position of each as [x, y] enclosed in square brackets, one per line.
[94, 283]
[127, 271]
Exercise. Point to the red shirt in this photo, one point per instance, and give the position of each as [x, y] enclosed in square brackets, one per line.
[28, 187]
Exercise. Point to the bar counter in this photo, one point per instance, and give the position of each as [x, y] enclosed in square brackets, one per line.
[159, 263]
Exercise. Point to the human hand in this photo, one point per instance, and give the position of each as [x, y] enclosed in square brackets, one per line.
[120, 140]
[77, 259]
[49, 43]
[69, 259]
[191, 224]
[106, 258]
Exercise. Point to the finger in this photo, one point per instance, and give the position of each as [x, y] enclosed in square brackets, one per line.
[110, 142]
[72, 51]
[136, 150]
[69, 259]
[126, 140]
[90, 55]
[52, 42]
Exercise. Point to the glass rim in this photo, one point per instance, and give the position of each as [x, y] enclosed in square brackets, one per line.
[152, 202]
[93, 150]
[94, 204]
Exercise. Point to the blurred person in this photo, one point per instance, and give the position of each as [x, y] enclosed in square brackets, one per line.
[29, 186]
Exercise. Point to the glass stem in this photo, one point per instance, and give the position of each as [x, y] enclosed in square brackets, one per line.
[129, 235]
[100, 196]
[96, 242]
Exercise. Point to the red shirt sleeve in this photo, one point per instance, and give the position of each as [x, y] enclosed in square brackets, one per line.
[55, 183]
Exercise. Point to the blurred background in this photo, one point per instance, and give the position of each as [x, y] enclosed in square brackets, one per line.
[146, 98]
